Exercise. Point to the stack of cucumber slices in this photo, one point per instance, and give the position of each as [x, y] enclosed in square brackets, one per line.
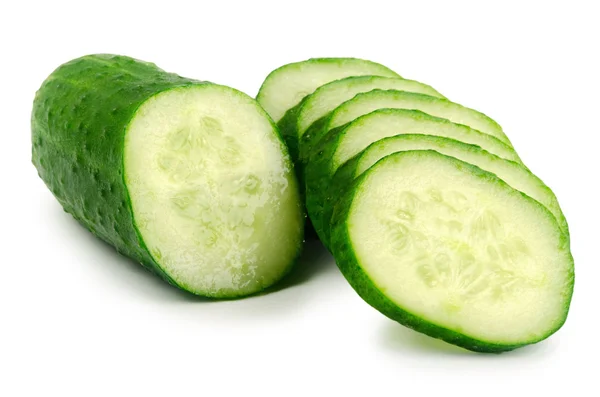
[430, 214]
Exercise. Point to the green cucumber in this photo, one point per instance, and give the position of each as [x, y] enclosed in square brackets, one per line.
[515, 175]
[189, 178]
[285, 86]
[329, 96]
[378, 99]
[452, 251]
[344, 142]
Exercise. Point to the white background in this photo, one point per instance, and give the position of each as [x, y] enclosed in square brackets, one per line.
[79, 320]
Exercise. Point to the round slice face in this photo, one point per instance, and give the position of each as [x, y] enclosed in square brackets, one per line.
[377, 99]
[213, 194]
[515, 175]
[329, 96]
[452, 251]
[285, 87]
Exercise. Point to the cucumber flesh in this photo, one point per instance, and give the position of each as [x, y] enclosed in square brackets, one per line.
[344, 142]
[188, 178]
[515, 175]
[211, 190]
[367, 102]
[329, 96]
[450, 250]
[285, 87]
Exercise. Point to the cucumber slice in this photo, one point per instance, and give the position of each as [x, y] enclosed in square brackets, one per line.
[329, 96]
[451, 251]
[285, 87]
[189, 178]
[367, 102]
[515, 175]
[345, 142]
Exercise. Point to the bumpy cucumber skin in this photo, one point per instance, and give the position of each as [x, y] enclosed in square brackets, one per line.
[360, 281]
[343, 178]
[287, 128]
[318, 177]
[79, 121]
[312, 137]
[341, 181]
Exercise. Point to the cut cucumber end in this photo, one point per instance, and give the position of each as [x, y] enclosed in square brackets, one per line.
[285, 87]
[452, 251]
[329, 96]
[212, 190]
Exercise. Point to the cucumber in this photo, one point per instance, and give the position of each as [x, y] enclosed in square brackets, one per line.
[285, 86]
[344, 142]
[515, 175]
[367, 102]
[189, 178]
[329, 96]
[452, 251]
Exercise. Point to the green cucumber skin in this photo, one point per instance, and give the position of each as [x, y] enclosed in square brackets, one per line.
[346, 260]
[312, 137]
[318, 178]
[287, 128]
[341, 181]
[79, 120]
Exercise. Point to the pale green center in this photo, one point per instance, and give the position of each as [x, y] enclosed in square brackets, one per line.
[458, 251]
[211, 190]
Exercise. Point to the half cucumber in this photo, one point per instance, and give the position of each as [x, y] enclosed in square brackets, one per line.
[344, 142]
[515, 175]
[378, 99]
[452, 251]
[189, 178]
